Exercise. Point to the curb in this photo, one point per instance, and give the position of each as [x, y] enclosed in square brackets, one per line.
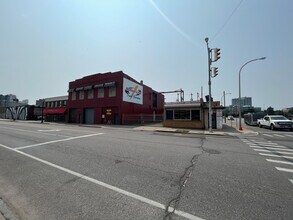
[199, 132]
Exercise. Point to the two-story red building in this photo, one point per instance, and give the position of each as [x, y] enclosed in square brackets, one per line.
[112, 98]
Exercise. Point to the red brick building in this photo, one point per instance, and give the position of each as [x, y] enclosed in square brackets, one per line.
[112, 98]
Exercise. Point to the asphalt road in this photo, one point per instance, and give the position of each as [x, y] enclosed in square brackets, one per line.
[70, 172]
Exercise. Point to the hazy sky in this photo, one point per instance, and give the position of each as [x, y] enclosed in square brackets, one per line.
[46, 44]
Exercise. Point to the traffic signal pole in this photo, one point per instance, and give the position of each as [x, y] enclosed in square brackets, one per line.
[210, 84]
[215, 73]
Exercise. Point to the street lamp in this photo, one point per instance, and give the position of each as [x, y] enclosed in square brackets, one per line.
[239, 100]
[224, 95]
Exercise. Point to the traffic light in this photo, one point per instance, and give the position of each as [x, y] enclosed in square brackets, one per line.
[215, 71]
[217, 54]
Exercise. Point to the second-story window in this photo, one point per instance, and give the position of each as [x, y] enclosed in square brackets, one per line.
[90, 94]
[81, 95]
[73, 96]
[100, 92]
[112, 91]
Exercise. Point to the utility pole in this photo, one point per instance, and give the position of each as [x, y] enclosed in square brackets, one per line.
[224, 105]
[215, 73]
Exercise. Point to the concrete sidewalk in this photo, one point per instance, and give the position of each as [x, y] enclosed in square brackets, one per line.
[226, 130]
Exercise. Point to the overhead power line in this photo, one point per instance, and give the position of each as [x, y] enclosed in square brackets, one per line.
[228, 19]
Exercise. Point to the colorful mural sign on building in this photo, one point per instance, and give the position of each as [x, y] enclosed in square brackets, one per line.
[132, 92]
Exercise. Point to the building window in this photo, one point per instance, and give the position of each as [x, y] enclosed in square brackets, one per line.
[195, 114]
[100, 92]
[81, 95]
[64, 102]
[182, 114]
[90, 94]
[155, 100]
[112, 91]
[73, 96]
[169, 114]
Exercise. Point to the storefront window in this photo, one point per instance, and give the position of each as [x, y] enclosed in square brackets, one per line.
[195, 114]
[169, 114]
[182, 114]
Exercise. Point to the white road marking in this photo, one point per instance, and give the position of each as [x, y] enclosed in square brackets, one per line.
[269, 143]
[289, 135]
[275, 151]
[284, 169]
[279, 135]
[262, 150]
[279, 161]
[36, 132]
[274, 155]
[269, 147]
[51, 142]
[278, 149]
[49, 130]
[268, 135]
[291, 180]
[108, 186]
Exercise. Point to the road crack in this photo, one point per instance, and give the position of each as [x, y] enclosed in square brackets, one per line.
[173, 203]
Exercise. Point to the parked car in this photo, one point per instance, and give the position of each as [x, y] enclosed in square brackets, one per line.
[230, 117]
[275, 122]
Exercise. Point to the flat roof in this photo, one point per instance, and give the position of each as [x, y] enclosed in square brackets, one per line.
[182, 104]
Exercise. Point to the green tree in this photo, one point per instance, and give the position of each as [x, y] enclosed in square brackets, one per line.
[270, 111]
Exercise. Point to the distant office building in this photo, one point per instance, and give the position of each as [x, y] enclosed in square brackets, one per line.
[8, 100]
[244, 101]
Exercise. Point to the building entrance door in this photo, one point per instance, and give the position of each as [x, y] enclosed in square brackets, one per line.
[89, 116]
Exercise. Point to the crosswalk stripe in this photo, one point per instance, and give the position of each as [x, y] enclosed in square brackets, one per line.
[259, 142]
[269, 147]
[269, 151]
[291, 180]
[279, 161]
[268, 135]
[284, 169]
[262, 150]
[274, 155]
[279, 135]
[289, 135]
[272, 148]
